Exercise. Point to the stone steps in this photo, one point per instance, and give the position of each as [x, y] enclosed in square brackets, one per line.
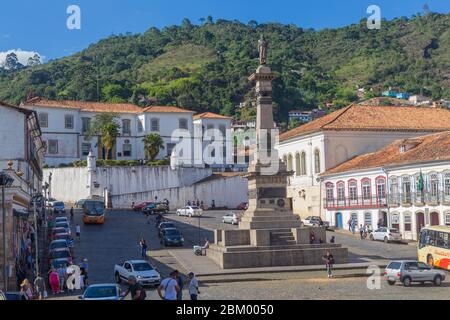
[279, 238]
[325, 246]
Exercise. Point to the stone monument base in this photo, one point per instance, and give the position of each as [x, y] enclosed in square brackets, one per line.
[272, 248]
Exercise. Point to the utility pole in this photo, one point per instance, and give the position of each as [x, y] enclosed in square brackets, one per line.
[5, 266]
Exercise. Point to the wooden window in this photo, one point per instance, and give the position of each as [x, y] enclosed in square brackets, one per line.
[68, 121]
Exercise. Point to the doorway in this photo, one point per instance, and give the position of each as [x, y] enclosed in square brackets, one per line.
[339, 223]
[420, 221]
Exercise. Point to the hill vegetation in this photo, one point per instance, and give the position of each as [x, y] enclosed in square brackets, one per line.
[205, 67]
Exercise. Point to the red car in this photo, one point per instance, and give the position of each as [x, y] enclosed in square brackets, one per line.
[141, 206]
[242, 206]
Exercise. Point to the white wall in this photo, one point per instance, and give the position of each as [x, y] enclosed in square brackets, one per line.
[12, 130]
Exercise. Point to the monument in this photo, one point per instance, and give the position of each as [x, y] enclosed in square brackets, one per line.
[269, 233]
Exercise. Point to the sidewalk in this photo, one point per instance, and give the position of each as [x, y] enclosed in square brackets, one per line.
[203, 266]
[357, 235]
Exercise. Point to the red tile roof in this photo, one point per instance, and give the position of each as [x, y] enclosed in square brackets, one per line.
[433, 147]
[100, 106]
[377, 118]
[211, 115]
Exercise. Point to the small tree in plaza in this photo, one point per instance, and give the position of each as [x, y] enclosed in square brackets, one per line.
[153, 143]
[107, 127]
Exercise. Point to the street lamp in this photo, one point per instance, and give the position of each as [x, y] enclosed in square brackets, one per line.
[5, 182]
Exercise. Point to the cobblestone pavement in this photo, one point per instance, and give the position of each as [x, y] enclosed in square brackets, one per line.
[118, 239]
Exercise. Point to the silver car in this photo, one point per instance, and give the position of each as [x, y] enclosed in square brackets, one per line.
[409, 271]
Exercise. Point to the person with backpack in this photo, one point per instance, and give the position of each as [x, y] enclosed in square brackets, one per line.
[170, 287]
[136, 290]
[329, 262]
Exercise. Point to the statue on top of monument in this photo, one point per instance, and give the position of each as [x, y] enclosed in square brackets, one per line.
[262, 48]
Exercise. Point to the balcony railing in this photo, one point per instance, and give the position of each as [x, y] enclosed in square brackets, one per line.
[408, 199]
[374, 201]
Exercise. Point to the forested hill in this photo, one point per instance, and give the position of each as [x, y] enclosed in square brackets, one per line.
[205, 67]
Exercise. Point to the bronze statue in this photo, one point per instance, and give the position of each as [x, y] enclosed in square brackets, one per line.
[262, 48]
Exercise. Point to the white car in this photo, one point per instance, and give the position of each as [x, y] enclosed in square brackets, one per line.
[315, 221]
[386, 234]
[145, 274]
[108, 291]
[232, 218]
[190, 211]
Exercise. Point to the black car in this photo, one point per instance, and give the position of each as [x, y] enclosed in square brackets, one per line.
[165, 225]
[172, 237]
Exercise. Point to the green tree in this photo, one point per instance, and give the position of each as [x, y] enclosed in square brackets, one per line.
[153, 143]
[12, 62]
[105, 126]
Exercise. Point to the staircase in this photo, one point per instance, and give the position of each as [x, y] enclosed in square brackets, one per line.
[282, 238]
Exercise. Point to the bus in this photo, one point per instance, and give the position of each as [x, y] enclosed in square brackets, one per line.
[94, 212]
[434, 246]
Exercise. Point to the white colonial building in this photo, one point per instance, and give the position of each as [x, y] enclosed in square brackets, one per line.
[405, 185]
[322, 144]
[65, 125]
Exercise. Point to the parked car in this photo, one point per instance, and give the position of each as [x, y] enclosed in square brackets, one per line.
[58, 244]
[315, 221]
[64, 236]
[61, 219]
[153, 208]
[190, 211]
[232, 218]
[165, 225]
[140, 206]
[58, 207]
[61, 253]
[145, 274]
[56, 231]
[107, 291]
[64, 225]
[172, 237]
[408, 272]
[242, 206]
[386, 235]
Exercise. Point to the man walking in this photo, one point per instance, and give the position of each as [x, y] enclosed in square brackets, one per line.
[170, 287]
[39, 287]
[78, 231]
[136, 290]
[71, 214]
[361, 231]
[180, 285]
[193, 286]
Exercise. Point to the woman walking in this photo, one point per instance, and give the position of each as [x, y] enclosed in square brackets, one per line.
[26, 289]
[143, 245]
[329, 261]
[54, 281]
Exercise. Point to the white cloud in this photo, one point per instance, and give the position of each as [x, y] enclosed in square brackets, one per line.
[22, 55]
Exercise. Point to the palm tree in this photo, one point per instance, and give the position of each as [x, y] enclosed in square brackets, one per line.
[106, 126]
[153, 143]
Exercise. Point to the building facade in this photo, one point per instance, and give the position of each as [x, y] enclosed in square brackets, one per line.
[65, 126]
[405, 185]
[324, 143]
[21, 158]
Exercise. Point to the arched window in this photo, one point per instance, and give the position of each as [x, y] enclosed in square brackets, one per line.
[434, 184]
[406, 189]
[407, 221]
[317, 161]
[395, 220]
[354, 217]
[366, 191]
[368, 219]
[289, 162]
[330, 193]
[353, 192]
[340, 188]
[381, 190]
[297, 164]
[303, 164]
[393, 186]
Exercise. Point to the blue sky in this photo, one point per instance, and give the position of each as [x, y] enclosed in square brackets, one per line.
[40, 25]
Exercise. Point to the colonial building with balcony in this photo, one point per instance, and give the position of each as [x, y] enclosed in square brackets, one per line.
[405, 185]
[327, 142]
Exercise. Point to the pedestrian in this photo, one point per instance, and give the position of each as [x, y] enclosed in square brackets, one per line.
[170, 287]
[202, 206]
[350, 224]
[198, 203]
[54, 281]
[333, 239]
[193, 286]
[180, 283]
[143, 245]
[213, 204]
[380, 223]
[136, 290]
[26, 290]
[361, 231]
[84, 264]
[189, 203]
[132, 205]
[78, 232]
[39, 287]
[321, 241]
[71, 214]
[61, 276]
[329, 261]
[156, 199]
[353, 226]
[312, 238]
